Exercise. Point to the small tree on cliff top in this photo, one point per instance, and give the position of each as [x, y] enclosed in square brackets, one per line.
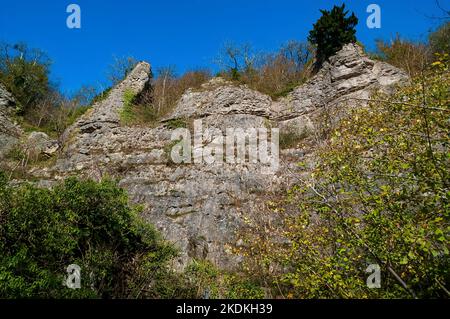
[331, 32]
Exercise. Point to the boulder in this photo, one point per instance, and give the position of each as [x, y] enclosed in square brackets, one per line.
[41, 143]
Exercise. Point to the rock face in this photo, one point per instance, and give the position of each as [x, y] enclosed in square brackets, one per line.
[348, 77]
[105, 115]
[41, 143]
[219, 97]
[9, 131]
[200, 207]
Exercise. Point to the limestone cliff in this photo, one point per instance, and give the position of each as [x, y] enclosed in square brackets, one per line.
[9, 131]
[200, 207]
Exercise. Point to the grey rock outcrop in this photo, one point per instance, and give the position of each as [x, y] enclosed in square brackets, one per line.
[105, 115]
[40, 143]
[201, 207]
[6, 98]
[10, 132]
[347, 79]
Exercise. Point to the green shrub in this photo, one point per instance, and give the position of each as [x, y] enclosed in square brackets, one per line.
[90, 224]
[134, 113]
[101, 96]
[75, 114]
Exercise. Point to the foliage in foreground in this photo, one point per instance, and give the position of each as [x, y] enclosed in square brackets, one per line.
[379, 194]
[90, 224]
[207, 281]
[439, 40]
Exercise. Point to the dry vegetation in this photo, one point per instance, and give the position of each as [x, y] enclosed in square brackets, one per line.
[168, 88]
[409, 56]
[274, 74]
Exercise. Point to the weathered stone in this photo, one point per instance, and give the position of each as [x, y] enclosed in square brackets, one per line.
[348, 77]
[9, 131]
[298, 126]
[6, 98]
[201, 207]
[41, 143]
[227, 99]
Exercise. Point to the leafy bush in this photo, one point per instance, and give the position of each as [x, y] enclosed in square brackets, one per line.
[379, 194]
[133, 113]
[25, 74]
[90, 224]
[331, 32]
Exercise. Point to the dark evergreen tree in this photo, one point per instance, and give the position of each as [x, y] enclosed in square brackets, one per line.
[331, 32]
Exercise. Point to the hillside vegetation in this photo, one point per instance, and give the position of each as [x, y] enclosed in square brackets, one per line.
[378, 193]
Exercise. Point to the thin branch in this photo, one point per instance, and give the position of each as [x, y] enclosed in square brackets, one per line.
[447, 12]
[404, 285]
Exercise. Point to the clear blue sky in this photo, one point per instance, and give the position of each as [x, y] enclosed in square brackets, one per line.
[185, 33]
